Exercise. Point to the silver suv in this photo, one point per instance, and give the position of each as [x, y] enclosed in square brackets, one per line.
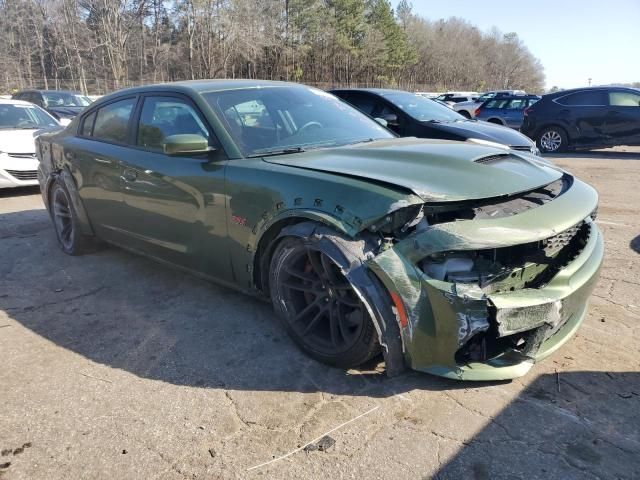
[468, 109]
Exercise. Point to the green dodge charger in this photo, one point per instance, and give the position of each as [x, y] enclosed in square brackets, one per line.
[453, 258]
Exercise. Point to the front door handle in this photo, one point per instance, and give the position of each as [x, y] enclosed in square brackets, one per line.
[129, 175]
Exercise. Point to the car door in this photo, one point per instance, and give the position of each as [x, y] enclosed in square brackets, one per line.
[95, 152]
[513, 112]
[623, 117]
[175, 205]
[585, 113]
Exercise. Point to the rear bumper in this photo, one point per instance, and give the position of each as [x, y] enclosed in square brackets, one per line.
[443, 316]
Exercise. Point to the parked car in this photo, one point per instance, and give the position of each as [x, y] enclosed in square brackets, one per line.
[62, 104]
[585, 118]
[453, 258]
[468, 109]
[507, 111]
[453, 98]
[20, 123]
[431, 95]
[410, 115]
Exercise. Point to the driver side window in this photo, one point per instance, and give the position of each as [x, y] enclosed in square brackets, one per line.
[162, 117]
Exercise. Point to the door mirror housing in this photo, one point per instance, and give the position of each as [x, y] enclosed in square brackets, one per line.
[391, 119]
[381, 121]
[186, 144]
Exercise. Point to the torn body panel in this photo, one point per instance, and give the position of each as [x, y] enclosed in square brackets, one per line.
[462, 328]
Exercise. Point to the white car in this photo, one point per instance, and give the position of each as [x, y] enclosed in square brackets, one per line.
[20, 123]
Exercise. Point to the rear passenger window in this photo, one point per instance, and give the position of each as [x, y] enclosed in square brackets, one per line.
[588, 98]
[87, 125]
[516, 104]
[112, 121]
[162, 117]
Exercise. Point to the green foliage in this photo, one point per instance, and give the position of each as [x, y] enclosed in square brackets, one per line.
[100, 45]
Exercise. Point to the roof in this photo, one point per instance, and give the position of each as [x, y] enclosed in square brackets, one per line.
[198, 86]
[378, 91]
[42, 90]
[560, 93]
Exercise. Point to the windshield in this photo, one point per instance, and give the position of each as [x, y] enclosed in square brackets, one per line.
[63, 99]
[423, 109]
[268, 120]
[24, 117]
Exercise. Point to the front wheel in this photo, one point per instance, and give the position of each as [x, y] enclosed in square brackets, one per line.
[318, 305]
[552, 139]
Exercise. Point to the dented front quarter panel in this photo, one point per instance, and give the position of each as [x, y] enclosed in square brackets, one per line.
[443, 315]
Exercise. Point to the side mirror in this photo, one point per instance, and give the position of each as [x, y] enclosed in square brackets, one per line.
[391, 119]
[381, 121]
[186, 144]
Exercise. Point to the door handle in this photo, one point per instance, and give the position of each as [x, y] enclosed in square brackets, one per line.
[129, 175]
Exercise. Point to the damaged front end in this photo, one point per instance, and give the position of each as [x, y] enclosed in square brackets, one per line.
[482, 290]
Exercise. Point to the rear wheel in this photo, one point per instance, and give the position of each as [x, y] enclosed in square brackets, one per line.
[552, 139]
[318, 305]
[65, 221]
[465, 114]
[496, 121]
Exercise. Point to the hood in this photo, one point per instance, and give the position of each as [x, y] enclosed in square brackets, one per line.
[435, 170]
[18, 141]
[484, 131]
[66, 111]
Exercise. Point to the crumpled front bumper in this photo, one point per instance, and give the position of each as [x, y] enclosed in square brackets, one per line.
[441, 315]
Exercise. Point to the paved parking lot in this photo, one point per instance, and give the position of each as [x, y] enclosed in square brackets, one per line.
[112, 366]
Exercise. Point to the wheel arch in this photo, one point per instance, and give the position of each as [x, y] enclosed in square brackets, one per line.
[270, 234]
[366, 284]
[556, 125]
[64, 175]
[496, 120]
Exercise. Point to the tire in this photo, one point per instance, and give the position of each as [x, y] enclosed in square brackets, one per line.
[495, 121]
[318, 305]
[465, 114]
[552, 139]
[65, 221]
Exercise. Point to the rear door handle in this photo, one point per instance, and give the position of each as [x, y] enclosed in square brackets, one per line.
[129, 175]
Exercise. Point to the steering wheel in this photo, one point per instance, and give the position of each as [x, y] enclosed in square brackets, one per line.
[310, 124]
[25, 123]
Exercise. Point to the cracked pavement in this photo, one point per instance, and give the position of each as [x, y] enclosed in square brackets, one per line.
[113, 366]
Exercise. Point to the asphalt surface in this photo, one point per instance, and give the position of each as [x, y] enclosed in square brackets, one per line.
[112, 366]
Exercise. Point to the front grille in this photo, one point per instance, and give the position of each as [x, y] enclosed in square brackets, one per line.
[554, 244]
[23, 174]
[22, 155]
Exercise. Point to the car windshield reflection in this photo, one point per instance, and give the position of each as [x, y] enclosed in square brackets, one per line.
[291, 119]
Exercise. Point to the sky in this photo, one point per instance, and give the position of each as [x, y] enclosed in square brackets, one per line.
[575, 40]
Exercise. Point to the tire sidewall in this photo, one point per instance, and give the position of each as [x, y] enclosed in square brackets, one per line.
[563, 139]
[357, 353]
[75, 247]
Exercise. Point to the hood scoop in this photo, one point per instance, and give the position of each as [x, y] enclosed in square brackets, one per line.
[491, 158]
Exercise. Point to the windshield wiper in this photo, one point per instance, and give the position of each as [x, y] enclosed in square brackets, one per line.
[282, 151]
